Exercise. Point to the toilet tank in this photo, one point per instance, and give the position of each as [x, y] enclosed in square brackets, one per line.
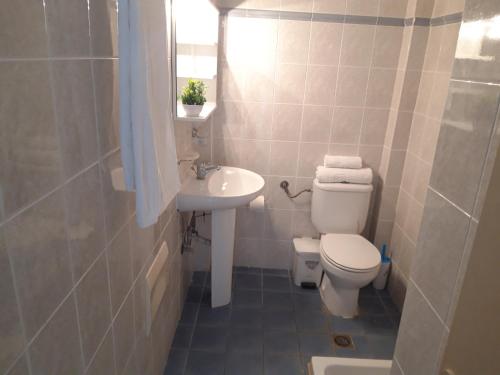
[340, 208]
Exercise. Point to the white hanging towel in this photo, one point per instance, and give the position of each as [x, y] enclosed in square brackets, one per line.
[335, 161]
[350, 176]
[146, 121]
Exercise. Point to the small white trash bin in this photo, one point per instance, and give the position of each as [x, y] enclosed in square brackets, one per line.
[306, 261]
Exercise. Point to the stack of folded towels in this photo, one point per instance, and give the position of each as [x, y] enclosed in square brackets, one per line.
[343, 169]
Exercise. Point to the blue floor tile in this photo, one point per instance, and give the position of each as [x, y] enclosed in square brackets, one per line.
[245, 340]
[301, 290]
[247, 281]
[276, 283]
[370, 306]
[276, 272]
[246, 317]
[353, 326]
[379, 325]
[278, 300]
[390, 307]
[219, 316]
[244, 363]
[210, 339]
[311, 321]
[276, 364]
[307, 302]
[189, 313]
[368, 291]
[316, 344]
[199, 278]
[281, 342]
[251, 270]
[182, 338]
[247, 298]
[176, 363]
[194, 294]
[205, 363]
[282, 320]
[381, 347]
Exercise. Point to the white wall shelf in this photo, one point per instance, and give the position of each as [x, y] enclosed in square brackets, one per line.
[207, 110]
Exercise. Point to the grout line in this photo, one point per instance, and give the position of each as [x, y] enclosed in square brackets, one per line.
[55, 58]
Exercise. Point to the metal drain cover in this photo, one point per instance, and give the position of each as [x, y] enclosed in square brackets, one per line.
[344, 341]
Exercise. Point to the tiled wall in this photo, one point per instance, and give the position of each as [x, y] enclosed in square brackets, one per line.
[425, 68]
[466, 150]
[291, 90]
[72, 259]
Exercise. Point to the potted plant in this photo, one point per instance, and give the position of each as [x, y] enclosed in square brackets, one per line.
[193, 97]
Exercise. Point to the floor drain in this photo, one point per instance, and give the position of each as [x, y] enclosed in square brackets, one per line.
[343, 341]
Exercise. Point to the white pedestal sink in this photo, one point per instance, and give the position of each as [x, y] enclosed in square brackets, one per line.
[221, 192]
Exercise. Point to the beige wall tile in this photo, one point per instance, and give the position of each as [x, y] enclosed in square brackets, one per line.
[30, 157]
[423, 330]
[229, 119]
[346, 125]
[278, 225]
[277, 254]
[106, 95]
[329, 6]
[286, 122]
[448, 46]
[283, 159]
[463, 139]
[23, 30]
[20, 368]
[104, 27]
[380, 88]
[297, 5]
[104, 360]
[440, 249]
[56, 350]
[124, 334]
[37, 245]
[316, 124]
[310, 156]
[363, 7]
[120, 268]
[259, 120]
[275, 197]
[68, 27]
[291, 83]
[321, 82]
[116, 202]
[374, 126]
[10, 322]
[387, 46]
[326, 39]
[393, 8]
[85, 220]
[351, 89]
[94, 308]
[302, 225]
[293, 41]
[357, 45]
[75, 114]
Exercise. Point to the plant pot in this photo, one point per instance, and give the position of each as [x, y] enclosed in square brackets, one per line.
[192, 110]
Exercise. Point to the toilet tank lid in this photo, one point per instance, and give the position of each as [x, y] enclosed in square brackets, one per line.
[354, 188]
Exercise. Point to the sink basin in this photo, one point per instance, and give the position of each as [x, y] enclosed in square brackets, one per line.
[221, 192]
[226, 188]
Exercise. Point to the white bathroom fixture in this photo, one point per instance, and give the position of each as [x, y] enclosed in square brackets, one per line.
[221, 192]
[349, 366]
[339, 213]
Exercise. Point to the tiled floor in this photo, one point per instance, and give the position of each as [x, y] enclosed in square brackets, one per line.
[273, 327]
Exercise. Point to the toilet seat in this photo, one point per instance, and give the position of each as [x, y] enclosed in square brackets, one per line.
[349, 252]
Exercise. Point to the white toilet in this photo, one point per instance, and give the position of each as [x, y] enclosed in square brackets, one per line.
[339, 213]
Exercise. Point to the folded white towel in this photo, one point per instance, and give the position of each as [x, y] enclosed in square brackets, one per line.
[350, 176]
[350, 162]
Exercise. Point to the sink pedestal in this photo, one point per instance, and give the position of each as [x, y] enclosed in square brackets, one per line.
[223, 223]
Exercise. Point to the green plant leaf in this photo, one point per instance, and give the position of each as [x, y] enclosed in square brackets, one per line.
[194, 93]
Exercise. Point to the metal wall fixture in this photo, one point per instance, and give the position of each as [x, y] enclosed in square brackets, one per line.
[285, 184]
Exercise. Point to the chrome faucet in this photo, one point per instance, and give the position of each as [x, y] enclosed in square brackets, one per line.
[202, 169]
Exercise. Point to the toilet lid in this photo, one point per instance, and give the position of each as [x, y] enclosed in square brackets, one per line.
[350, 251]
